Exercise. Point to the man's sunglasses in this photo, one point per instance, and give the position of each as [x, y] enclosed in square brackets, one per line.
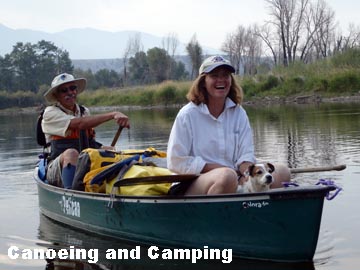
[67, 89]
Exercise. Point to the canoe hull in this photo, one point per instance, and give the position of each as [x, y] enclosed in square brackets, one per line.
[280, 225]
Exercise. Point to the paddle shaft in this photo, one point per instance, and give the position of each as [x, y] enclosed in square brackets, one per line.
[191, 177]
[116, 137]
[156, 179]
[318, 169]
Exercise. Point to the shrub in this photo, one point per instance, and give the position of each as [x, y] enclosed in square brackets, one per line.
[350, 57]
[270, 83]
[249, 87]
[165, 94]
[344, 82]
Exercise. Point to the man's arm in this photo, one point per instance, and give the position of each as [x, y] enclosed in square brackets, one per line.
[92, 121]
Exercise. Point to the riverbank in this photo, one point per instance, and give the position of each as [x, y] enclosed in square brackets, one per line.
[268, 100]
[302, 99]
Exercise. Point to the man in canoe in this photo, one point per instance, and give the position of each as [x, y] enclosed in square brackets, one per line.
[211, 135]
[69, 128]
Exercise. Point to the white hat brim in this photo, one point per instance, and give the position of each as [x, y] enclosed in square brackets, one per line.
[50, 94]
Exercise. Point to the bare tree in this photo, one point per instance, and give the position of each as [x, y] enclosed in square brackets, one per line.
[296, 30]
[234, 46]
[270, 39]
[243, 48]
[253, 51]
[319, 23]
[351, 40]
[287, 17]
[170, 44]
[305, 29]
[133, 46]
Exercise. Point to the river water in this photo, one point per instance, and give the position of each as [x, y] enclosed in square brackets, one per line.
[298, 135]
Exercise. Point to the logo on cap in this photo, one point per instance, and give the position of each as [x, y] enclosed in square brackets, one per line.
[218, 59]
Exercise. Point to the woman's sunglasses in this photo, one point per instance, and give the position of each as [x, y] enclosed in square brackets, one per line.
[67, 89]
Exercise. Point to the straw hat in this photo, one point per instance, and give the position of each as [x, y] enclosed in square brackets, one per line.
[213, 62]
[60, 80]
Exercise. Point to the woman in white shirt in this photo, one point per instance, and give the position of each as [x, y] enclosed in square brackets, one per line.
[211, 135]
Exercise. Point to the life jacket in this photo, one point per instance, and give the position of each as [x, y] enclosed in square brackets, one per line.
[77, 139]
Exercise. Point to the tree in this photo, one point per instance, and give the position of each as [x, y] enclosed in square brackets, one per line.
[320, 26]
[139, 68]
[234, 46]
[349, 41]
[266, 34]
[243, 48]
[194, 51]
[30, 65]
[288, 18]
[91, 82]
[178, 71]
[253, 51]
[63, 62]
[7, 75]
[51, 61]
[24, 62]
[157, 60]
[170, 44]
[107, 78]
[133, 46]
[301, 30]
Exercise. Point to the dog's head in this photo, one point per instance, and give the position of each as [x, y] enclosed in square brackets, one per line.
[260, 176]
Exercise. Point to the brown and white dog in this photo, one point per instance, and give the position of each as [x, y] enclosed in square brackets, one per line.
[260, 178]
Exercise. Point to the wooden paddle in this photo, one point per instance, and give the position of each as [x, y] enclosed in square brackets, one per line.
[189, 177]
[155, 179]
[318, 169]
[117, 135]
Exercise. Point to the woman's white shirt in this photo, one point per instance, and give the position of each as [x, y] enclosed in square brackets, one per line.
[198, 138]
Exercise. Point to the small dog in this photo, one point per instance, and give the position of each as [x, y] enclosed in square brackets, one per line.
[260, 178]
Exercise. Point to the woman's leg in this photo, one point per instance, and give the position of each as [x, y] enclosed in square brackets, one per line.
[217, 181]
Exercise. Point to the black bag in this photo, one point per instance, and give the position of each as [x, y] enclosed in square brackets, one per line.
[40, 136]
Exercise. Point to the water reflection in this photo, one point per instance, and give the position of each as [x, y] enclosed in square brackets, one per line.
[57, 236]
[306, 135]
[301, 136]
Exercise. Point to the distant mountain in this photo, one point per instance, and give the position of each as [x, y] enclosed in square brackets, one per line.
[85, 43]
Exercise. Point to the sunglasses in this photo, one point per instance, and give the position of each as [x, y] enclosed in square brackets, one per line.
[67, 89]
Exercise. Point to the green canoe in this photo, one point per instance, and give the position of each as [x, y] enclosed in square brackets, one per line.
[280, 225]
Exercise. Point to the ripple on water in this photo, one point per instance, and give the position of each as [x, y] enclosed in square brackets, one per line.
[325, 247]
[22, 243]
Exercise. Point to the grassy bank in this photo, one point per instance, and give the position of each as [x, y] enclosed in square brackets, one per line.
[166, 93]
[335, 76]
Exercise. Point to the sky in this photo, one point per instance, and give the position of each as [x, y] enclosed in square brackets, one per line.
[210, 20]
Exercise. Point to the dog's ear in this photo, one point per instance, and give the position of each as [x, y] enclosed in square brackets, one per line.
[271, 167]
[251, 169]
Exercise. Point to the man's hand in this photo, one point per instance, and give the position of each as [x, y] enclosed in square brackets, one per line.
[121, 119]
